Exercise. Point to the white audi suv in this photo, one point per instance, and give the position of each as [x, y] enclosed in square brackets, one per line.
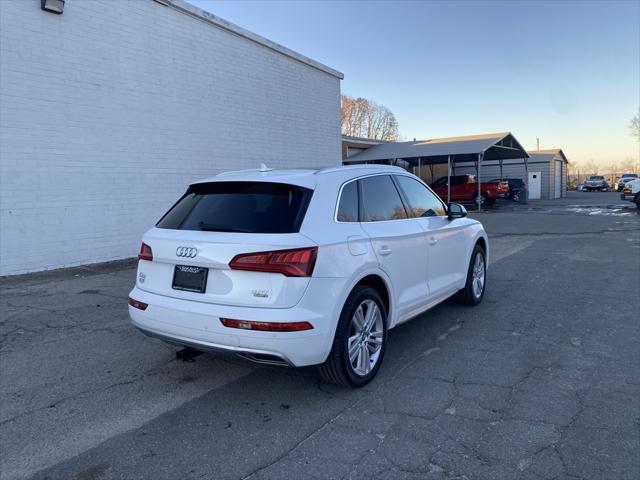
[305, 267]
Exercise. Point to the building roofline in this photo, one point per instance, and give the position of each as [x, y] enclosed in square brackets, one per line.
[438, 150]
[464, 138]
[364, 141]
[549, 151]
[202, 15]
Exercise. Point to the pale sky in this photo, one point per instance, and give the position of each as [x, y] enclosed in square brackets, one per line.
[566, 72]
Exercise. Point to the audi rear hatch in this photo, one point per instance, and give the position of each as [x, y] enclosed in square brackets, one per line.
[231, 243]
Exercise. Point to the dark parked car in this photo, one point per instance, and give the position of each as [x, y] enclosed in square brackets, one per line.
[515, 186]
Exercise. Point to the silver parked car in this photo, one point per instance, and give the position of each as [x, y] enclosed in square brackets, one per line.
[595, 182]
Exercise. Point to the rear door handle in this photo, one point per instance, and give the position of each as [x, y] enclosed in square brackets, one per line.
[384, 250]
[433, 241]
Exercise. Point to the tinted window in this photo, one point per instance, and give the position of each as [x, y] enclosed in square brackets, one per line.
[440, 181]
[252, 207]
[422, 203]
[461, 180]
[348, 206]
[381, 200]
[513, 182]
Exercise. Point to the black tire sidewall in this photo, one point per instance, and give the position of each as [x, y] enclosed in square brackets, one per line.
[476, 251]
[359, 295]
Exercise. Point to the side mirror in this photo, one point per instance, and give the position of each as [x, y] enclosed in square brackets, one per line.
[455, 210]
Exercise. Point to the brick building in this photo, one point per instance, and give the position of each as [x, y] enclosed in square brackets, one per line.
[109, 110]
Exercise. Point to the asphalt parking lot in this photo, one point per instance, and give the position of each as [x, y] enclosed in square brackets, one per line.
[541, 381]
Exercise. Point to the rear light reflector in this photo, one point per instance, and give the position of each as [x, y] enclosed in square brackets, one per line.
[266, 326]
[298, 262]
[136, 304]
[145, 252]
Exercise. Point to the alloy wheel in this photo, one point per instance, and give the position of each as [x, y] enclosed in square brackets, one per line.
[366, 334]
[478, 276]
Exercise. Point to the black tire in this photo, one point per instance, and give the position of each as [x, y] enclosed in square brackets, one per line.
[337, 368]
[483, 199]
[515, 197]
[466, 296]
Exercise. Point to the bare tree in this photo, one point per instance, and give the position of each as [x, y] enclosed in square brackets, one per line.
[630, 166]
[590, 167]
[364, 118]
[634, 126]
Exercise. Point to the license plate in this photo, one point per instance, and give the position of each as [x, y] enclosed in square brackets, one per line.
[191, 279]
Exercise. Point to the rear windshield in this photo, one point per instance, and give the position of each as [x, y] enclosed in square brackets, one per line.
[249, 207]
[597, 177]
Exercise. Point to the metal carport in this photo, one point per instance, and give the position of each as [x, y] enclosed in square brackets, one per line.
[454, 150]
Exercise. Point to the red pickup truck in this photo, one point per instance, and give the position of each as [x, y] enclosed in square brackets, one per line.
[465, 188]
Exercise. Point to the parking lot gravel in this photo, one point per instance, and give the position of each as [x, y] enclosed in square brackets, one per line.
[541, 381]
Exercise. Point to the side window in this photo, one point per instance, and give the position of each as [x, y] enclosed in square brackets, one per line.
[381, 200]
[348, 205]
[422, 203]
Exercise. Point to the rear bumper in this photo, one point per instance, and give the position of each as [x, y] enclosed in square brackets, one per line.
[258, 356]
[197, 325]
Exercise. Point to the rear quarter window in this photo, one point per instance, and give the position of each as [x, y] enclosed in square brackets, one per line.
[348, 204]
[249, 207]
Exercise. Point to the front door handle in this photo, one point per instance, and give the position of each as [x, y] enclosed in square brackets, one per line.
[433, 241]
[384, 250]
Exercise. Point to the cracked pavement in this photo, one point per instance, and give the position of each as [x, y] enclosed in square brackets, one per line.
[541, 381]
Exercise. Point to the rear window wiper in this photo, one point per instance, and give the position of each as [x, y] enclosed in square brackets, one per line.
[212, 227]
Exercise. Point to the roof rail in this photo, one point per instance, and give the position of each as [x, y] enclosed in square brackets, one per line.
[359, 166]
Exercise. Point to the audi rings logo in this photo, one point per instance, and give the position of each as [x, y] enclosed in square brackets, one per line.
[186, 252]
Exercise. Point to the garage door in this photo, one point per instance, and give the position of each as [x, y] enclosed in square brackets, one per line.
[558, 179]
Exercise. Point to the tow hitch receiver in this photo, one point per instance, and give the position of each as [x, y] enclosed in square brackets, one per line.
[187, 354]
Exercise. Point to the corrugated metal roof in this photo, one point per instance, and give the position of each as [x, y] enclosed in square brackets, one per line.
[547, 154]
[364, 141]
[435, 147]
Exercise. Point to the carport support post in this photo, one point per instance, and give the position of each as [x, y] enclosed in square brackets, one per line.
[478, 168]
[448, 179]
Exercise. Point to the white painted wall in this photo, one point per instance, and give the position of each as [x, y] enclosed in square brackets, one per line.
[109, 110]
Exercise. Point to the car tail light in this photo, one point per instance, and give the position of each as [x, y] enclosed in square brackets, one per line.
[136, 304]
[290, 263]
[266, 326]
[145, 252]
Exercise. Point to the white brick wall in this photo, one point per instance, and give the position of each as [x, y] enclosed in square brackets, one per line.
[108, 111]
